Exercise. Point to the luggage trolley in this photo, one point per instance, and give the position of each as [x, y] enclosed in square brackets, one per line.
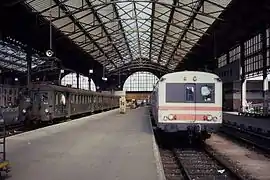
[4, 164]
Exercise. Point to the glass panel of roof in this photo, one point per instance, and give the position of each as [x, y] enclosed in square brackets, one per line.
[127, 11]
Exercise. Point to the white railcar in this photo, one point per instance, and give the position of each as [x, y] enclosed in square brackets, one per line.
[188, 102]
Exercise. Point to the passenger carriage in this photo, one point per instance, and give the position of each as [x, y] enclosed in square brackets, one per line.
[188, 101]
[46, 102]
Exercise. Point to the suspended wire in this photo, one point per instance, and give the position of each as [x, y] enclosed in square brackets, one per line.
[50, 24]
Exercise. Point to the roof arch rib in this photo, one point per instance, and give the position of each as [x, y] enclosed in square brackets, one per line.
[121, 33]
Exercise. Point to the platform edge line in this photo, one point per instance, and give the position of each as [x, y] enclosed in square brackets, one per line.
[160, 170]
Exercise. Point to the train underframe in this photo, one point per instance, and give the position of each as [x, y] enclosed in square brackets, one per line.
[192, 132]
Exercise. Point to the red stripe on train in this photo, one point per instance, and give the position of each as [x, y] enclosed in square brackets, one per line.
[190, 117]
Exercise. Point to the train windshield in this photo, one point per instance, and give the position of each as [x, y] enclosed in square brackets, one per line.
[41, 96]
[206, 93]
[44, 97]
[190, 93]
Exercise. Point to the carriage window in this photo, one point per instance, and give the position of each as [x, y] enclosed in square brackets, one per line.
[44, 97]
[189, 93]
[56, 99]
[62, 99]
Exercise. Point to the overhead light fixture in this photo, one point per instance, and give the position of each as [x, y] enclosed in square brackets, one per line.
[91, 71]
[104, 79]
[16, 79]
[62, 71]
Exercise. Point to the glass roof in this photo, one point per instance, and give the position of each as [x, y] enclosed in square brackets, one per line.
[118, 32]
[13, 57]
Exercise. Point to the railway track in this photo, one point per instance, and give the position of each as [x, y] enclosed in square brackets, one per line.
[255, 140]
[190, 162]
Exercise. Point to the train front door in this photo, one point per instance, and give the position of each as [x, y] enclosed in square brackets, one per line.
[190, 98]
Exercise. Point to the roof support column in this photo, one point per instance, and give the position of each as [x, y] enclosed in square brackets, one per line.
[78, 79]
[90, 78]
[265, 79]
[29, 65]
[243, 77]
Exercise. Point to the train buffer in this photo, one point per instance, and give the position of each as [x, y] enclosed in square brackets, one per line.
[4, 163]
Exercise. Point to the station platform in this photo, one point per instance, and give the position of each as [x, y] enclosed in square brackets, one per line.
[233, 117]
[105, 146]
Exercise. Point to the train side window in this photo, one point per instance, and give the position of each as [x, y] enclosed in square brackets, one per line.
[189, 93]
[44, 97]
[56, 98]
[71, 98]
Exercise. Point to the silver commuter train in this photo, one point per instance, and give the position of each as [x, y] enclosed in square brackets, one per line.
[43, 102]
[188, 102]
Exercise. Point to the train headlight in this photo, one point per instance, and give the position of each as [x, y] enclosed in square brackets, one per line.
[46, 110]
[170, 117]
[24, 111]
[209, 117]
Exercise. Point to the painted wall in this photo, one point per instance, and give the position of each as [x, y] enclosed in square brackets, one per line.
[229, 72]
[232, 94]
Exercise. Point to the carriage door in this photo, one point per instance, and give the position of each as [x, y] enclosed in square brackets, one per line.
[69, 99]
[63, 103]
[190, 99]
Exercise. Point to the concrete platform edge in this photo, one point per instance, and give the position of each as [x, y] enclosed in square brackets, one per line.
[230, 165]
[160, 170]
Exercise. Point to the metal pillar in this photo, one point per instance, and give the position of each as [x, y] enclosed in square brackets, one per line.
[265, 79]
[29, 65]
[78, 79]
[243, 76]
[89, 81]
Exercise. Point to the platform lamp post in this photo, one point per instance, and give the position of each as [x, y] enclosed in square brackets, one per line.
[103, 76]
[91, 71]
[119, 80]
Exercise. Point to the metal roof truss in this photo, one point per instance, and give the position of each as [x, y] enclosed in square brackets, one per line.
[118, 32]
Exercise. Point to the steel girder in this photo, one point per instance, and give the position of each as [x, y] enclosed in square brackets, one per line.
[118, 33]
[144, 65]
[13, 56]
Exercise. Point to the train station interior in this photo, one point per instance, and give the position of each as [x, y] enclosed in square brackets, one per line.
[113, 53]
